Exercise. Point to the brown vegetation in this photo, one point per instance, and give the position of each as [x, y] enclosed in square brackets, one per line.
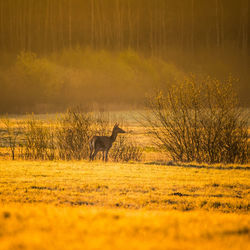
[65, 138]
[199, 120]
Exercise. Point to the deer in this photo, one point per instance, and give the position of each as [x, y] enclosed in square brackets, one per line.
[103, 143]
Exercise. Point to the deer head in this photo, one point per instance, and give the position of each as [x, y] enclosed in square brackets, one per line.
[117, 130]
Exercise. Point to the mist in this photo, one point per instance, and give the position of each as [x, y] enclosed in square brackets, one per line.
[54, 54]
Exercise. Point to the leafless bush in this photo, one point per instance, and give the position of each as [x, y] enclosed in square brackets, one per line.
[101, 123]
[73, 134]
[9, 134]
[39, 142]
[125, 150]
[199, 120]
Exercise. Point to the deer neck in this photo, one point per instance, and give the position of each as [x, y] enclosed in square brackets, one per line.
[113, 136]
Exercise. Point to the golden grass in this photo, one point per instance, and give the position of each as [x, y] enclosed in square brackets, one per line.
[51, 227]
[82, 205]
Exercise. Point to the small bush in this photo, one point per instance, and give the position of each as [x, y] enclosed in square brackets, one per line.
[38, 142]
[125, 150]
[9, 134]
[73, 134]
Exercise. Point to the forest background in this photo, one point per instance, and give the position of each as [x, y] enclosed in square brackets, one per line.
[54, 54]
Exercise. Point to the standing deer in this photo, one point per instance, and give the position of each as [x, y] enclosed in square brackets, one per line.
[103, 143]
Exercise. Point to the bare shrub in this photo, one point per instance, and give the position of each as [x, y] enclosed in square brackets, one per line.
[67, 139]
[199, 120]
[125, 150]
[73, 134]
[39, 142]
[101, 123]
[9, 134]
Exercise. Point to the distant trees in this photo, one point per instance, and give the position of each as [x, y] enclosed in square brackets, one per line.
[244, 26]
[80, 76]
[196, 35]
[43, 26]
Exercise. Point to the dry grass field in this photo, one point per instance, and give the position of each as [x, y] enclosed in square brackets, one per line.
[83, 205]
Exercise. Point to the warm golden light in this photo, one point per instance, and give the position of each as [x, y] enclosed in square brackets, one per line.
[124, 124]
[106, 51]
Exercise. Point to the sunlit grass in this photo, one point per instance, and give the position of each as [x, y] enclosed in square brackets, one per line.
[76, 205]
[51, 227]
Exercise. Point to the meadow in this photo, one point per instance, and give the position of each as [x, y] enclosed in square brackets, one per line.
[152, 204]
[95, 205]
[174, 74]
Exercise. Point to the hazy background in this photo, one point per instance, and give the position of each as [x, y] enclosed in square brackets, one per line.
[56, 53]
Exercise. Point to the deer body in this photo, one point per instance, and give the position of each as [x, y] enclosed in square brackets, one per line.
[103, 143]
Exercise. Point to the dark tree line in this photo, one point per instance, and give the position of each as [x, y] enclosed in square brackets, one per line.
[55, 53]
[151, 25]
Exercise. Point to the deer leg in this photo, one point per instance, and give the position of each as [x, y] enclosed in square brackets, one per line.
[103, 155]
[90, 155]
[91, 151]
[106, 155]
[94, 154]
